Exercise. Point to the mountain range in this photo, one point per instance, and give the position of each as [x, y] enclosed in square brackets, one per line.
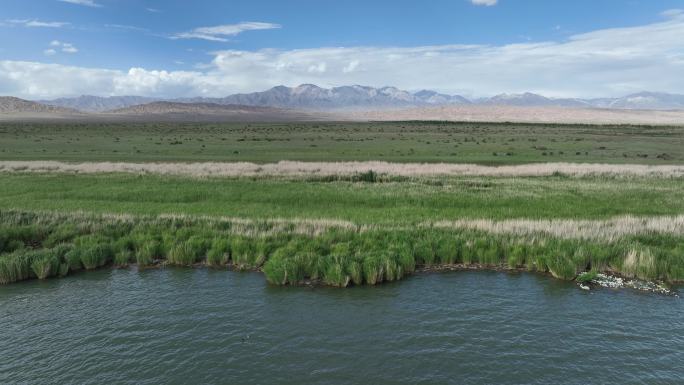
[161, 111]
[10, 104]
[312, 97]
[504, 108]
[15, 109]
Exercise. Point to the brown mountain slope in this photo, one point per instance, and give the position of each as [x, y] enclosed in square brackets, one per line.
[208, 111]
[12, 105]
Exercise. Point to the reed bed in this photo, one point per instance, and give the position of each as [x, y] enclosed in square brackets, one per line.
[604, 230]
[326, 169]
[44, 245]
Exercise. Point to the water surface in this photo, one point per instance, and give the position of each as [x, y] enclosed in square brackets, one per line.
[185, 326]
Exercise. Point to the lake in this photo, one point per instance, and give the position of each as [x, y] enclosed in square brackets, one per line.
[192, 326]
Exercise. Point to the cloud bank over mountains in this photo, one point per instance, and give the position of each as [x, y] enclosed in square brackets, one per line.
[608, 62]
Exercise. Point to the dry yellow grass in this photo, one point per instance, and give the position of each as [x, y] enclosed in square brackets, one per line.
[303, 169]
[607, 230]
[604, 230]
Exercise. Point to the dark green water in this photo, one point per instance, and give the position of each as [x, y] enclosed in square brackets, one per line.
[200, 326]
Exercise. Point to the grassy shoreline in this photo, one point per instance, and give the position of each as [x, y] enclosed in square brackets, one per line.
[44, 245]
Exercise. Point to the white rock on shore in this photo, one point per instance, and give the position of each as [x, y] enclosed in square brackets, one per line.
[614, 282]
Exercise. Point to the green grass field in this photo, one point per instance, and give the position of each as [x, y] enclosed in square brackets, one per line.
[412, 201]
[483, 143]
[342, 231]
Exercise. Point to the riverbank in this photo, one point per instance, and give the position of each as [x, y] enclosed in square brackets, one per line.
[335, 253]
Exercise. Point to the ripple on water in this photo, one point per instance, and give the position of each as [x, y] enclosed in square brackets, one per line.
[179, 326]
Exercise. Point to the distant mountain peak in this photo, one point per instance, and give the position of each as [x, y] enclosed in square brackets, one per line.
[311, 96]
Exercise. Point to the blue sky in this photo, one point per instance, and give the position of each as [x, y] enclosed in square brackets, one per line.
[178, 48]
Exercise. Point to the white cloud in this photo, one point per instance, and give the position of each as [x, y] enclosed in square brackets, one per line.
[673, 13]
[87, 3]
[124, 27]
[219, 33]
[487, 3]
[52, 24]
[37, 23]
[318, 68]
[64, 47]
[68, 48]
[351, 67]
[609, 62]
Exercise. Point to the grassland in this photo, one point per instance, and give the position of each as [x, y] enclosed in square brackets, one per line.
[405, 142]
[348, 228]
[407, 202]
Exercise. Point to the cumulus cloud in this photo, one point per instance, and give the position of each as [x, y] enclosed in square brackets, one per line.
[29, 80]
[609, 62]
[487, 3]
[220, 32]
[87, 3]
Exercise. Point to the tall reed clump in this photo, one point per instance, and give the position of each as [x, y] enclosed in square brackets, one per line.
[182, 254]
[517, 255]
[424, 250]
[219, 253]
[60, 252]
[96, 256]
[122, 258]
[44, 264]
[335, 271]
[73, 259]
[343, 266]
[668, 262]
[639, 262]
[293, 263]
[147, 253]
[15, 267]
[444, 249]
[250, 253]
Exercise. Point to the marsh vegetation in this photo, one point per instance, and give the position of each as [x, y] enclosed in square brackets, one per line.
[44, 245]
[342, 224]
